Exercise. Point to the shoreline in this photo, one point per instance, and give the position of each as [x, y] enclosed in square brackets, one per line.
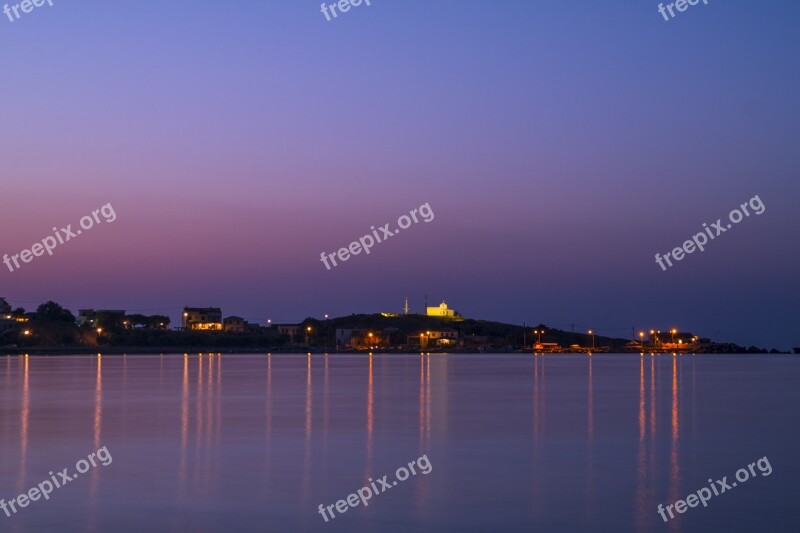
[172, 350]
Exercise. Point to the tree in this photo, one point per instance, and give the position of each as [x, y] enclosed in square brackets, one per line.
[52, 312]
[159, 322]
[52, 325]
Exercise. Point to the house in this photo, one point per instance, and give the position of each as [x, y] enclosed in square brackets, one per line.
[288, 329]
[445, 337]
[424, 339]
[362, 338]
[344, 337]
[5, 308]
[235, 324]
[86, 316]
[393, 336]
[443, 334]
[202, 319]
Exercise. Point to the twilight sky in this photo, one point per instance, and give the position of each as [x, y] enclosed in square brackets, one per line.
[559, 144]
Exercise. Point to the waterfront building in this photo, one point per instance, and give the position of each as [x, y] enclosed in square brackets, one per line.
[288, 329]
[234, 324]
[345, 336]
[428, 338]
[202, 319]
[7, 324]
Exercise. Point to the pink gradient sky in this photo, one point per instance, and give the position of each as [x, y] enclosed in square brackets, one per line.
[559, 147]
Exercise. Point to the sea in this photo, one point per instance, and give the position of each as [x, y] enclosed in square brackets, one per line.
[207, 442]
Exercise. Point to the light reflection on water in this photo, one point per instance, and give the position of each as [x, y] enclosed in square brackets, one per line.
[242, 443]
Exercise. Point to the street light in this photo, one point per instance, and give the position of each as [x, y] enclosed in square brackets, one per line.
[673, 331]
[592, 334]
[99, 330]
[641, 338]
[26, 332]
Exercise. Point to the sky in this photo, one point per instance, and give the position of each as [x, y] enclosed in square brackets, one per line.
[560, 145]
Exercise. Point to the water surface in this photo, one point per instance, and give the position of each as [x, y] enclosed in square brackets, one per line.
[209, 443]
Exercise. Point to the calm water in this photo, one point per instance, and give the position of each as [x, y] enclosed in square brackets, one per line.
[516, 442]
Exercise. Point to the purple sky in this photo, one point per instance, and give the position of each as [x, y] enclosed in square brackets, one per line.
[559, 144]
